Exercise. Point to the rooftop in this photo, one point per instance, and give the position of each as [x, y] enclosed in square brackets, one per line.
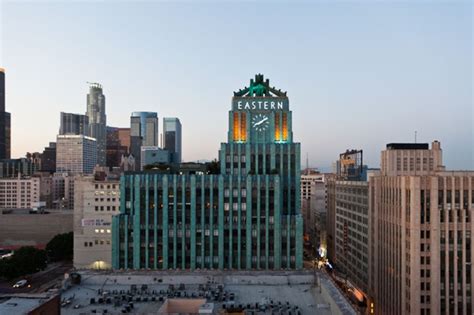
[149, 291]
[22, 303]
[408, 146]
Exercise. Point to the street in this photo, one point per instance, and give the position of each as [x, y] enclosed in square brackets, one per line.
[40, 281]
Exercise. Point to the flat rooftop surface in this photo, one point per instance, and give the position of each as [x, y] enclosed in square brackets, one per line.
[17, 305]
[285, 292]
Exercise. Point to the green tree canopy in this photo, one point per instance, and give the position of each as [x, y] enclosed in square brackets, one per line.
[60, 247]
[24, 261]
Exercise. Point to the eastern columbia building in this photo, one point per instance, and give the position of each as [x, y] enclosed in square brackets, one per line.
[245, 216]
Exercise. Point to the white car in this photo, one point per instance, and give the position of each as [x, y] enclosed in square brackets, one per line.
[20, 284]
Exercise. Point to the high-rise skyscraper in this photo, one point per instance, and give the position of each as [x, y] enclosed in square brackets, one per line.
[5, 134]
[76, 154]
[97, 120]
[118, 142]
[244, 214]
[172, 138]
[74, 124]
[143, 132]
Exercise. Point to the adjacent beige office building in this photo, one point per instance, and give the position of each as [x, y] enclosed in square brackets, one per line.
[95, 202]
[420, 238]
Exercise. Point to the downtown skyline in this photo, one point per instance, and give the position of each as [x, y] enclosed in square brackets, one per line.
[348, 84]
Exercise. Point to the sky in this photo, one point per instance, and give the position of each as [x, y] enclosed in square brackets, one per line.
[359, 75]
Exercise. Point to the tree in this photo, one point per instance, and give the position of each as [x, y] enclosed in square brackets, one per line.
[24, 261]
[213, 167]
[61, 247]
[29, 259]
[8, 269]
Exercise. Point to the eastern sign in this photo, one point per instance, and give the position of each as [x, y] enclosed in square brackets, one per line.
[260, 104]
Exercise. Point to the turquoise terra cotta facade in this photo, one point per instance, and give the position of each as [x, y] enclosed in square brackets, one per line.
[247, 217]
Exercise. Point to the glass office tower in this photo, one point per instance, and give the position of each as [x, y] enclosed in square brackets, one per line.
[172, 138]
[246, 216]
[73, 124]
[143, 132]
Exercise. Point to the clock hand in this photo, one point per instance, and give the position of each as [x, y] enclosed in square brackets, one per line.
[260, 122]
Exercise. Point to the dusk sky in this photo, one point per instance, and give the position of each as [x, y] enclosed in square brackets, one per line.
[358, 74]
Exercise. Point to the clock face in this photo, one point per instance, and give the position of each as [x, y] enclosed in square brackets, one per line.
[260, 122]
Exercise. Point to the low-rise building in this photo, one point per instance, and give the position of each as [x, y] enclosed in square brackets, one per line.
[30, 304]
[19, 192]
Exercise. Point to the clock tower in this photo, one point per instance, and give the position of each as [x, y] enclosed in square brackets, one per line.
[260, 151]
[260, 114]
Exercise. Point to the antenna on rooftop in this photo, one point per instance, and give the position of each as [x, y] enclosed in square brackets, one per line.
[415, 136]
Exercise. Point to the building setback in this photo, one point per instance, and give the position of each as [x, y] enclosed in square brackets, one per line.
[245, 217]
